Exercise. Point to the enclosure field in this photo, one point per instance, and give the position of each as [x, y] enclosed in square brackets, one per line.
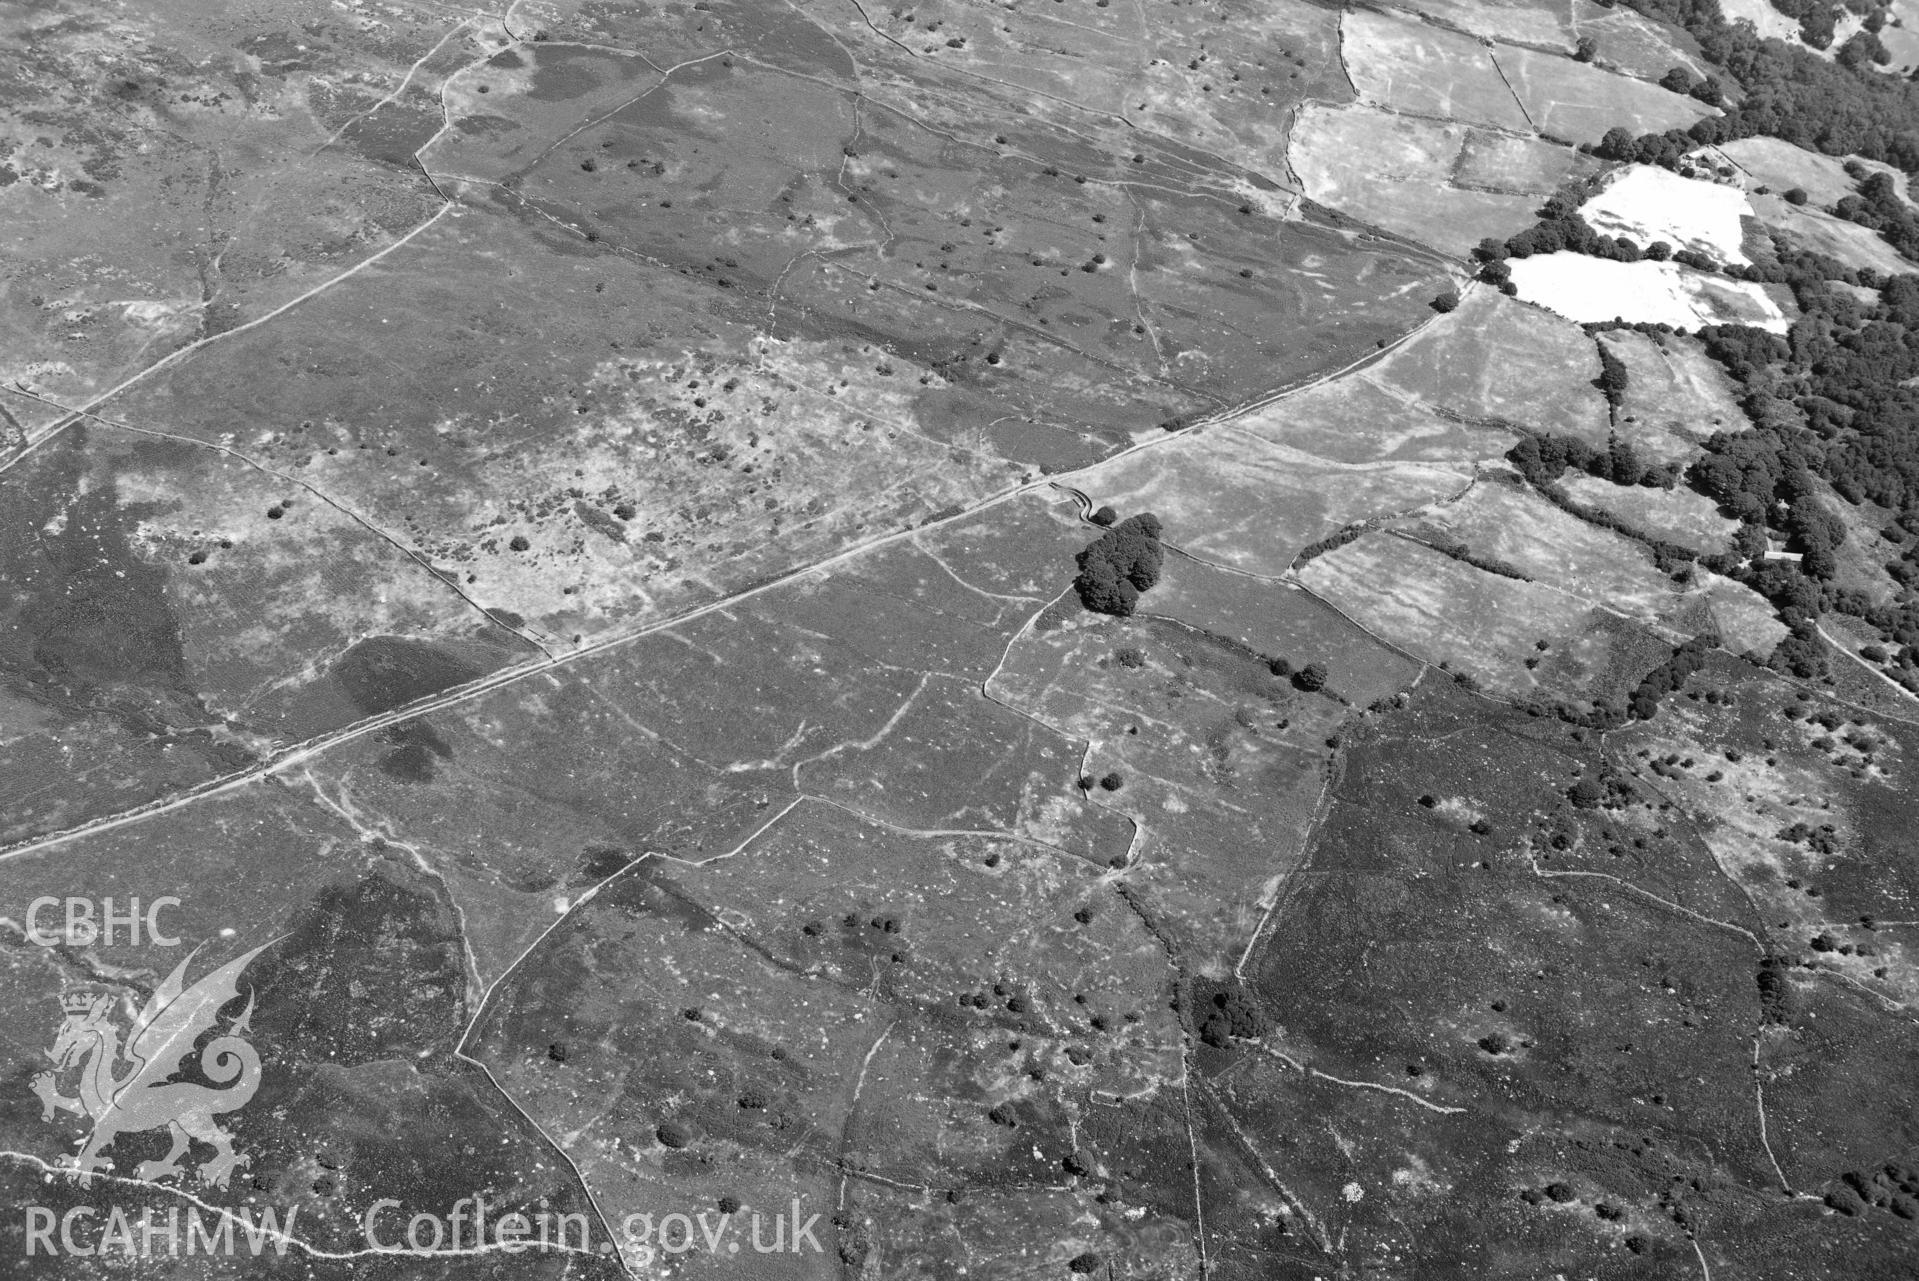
[1578, 102]
[1499, 360]
[1229, 497]
[635, 473]
[1806, 228]
[1637, 45]
[1279, 621]
[1358, 420]
[1403, 64]
[1484, 625]
[1518, 529]
[1774, 163]
[1217, 761]
[1677, 515]
[1676, 395]
[1444, 185]
[1546, 25]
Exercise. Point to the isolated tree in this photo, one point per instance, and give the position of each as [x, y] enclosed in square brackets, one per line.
[1796, 196]
[1104, 516]
[1447, 300]
[1588, 49]
[1311, 677]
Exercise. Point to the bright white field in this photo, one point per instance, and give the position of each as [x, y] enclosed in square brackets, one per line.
[1771, 22]
[1646, 203]
[1762, 15]
[1582, 288]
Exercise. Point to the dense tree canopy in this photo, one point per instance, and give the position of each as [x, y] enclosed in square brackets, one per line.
[1120, 564]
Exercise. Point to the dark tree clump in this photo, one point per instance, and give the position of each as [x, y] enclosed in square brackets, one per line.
[1613, 377]
[1120, 564]
[1670, 676]
[1226, 1013]
[1311, 678]
[1104, 516]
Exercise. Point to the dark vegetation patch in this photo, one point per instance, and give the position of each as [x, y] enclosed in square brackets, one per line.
[385, 672]
[1670, 676]
[603, 862]
[1465, 555]
[416, 745]
[85, 611]
[370, 977]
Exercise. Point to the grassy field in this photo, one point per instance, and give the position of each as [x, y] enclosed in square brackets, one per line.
[1511, 524]
[1774, 163]
[1237, 499]
[1483, 625]
[1280, 622]
[1443, 184]
[1495, 358]
[1580, 102]
[1675, 395]
[1809, 228]
[1358, 419]
[1677, 515]
[1405, 65]
[1218, 762]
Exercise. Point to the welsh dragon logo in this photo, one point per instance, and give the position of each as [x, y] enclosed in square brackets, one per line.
[124, 1087]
